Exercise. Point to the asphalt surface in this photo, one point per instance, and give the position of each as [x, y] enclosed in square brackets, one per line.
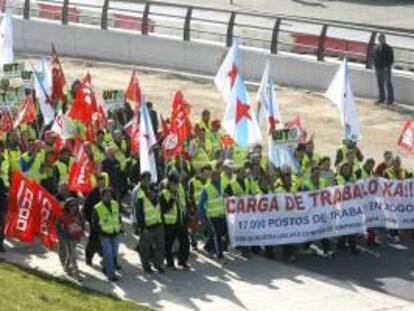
[388, 269]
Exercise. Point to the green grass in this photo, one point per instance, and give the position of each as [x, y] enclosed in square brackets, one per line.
[25, 290]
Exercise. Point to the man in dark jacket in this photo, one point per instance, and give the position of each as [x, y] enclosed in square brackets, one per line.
[383, 60]
[112, 167]
[94, 245]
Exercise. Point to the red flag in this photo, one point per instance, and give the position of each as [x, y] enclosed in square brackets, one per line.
[23, 210]
[164, 128]
[81, 172]
[406, 139]
[84, 104]
[296, 123]
[26, 112]
[132, 128]
[133, 93]
[180, 127]
[6, 121]
[49, 210]
[58, 78]
[102, 121]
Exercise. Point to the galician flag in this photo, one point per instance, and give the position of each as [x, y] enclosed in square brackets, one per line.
[340, 93]
[147, 142]
[267, 106]
[239, 119]
[6, 38]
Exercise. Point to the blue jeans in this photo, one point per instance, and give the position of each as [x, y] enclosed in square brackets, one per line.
[384, 81]
[110, 247]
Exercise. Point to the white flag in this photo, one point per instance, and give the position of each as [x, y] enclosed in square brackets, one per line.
[62, 126]
[42, 84]
[147, 141]
[6, 38]
[239, 120]
[340, 93]
[266, 100]
[226, 75]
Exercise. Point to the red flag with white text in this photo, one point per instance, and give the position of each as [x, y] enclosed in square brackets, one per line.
[406, 139]
[23, 210]
[26, 112]
[49, 210]
[81, 172]
[84, 105]
[180, 127]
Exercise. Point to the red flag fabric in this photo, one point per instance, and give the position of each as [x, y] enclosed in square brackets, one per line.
[132, 129]
[163, 132]
[23, 210]
[102, 120]
[26, 112]
[48, 211]
[58, 78]
[6, 121]
[297, 123]
[180, 127]
[406, 139]
[81, 172]
[133, 93]
[84, 105]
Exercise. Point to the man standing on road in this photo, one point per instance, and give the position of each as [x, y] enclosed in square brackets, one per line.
[107, 218]
[383, 60]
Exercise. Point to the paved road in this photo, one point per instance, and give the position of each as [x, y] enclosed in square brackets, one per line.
[377, 279]
[395, 13]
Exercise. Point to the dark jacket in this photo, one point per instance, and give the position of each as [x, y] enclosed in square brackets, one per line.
[113, 168]
[383, 56]
[91, 200]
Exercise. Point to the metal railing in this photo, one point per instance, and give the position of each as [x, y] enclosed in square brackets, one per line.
[322, 39]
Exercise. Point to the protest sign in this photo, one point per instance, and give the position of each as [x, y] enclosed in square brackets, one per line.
[11, 97]
[285, 218]
[13, 70]
[286, 136]
[113, 99]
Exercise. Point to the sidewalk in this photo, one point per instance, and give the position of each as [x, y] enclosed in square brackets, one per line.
[255, 284]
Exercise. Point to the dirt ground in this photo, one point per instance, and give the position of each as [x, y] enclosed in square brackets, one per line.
[380, 125]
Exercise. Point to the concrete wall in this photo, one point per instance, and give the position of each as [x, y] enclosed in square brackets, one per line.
[120, 46]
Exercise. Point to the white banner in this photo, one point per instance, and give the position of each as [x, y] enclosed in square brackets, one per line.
[285, 218]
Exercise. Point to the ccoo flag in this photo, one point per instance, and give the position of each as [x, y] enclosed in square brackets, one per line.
[239, 120]
[147, 142]
[6, 38]
[340, 93]
[267, 103]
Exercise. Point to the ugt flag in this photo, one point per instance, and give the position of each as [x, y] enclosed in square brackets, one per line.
[239, 119]
[267, 106]
[340, 93]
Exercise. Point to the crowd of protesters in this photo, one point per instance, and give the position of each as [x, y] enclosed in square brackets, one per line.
[184, 210]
